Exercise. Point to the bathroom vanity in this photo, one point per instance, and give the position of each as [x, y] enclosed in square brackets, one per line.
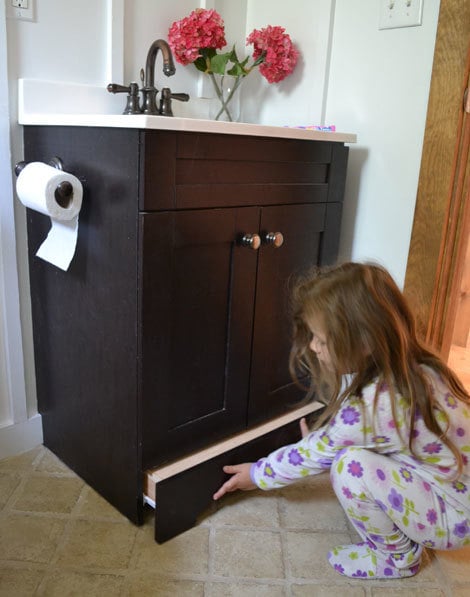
[162, 353]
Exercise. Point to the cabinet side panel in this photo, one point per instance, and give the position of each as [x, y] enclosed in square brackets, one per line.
[84, 319]
[330, 238]
[337, 173]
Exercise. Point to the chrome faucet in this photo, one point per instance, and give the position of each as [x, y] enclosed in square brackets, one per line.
[149, 91]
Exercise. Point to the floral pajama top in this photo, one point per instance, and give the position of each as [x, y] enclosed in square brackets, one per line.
[356, 425]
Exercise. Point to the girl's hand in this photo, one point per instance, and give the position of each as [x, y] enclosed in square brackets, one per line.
[241, 479]
[304, 430]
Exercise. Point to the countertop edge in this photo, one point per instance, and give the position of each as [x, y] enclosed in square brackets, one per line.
[142, 121]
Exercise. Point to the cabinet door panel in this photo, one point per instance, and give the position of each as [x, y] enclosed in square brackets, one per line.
[197, 312]
[272, 390]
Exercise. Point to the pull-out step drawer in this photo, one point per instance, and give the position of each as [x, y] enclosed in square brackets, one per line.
[182, 490]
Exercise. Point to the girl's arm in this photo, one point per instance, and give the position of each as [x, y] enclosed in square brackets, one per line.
[315, 452]
[241, 478]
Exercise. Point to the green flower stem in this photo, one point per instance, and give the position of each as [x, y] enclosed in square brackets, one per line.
[220, 95]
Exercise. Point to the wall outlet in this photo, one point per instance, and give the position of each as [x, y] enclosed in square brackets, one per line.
[20, 9]
[400, 13]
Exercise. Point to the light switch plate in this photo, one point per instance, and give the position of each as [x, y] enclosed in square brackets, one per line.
[400, 13]
[20, 9]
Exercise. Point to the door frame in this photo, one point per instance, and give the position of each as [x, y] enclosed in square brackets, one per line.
[441, 224]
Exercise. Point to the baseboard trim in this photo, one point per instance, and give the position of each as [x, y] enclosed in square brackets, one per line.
[20, 437]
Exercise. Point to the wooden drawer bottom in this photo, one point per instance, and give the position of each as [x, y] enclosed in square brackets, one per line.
[181, 490]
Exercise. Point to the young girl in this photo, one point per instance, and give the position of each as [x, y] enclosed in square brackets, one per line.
[395, 434]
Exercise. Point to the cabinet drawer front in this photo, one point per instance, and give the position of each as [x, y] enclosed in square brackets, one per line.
[167, 488]
[202, 170]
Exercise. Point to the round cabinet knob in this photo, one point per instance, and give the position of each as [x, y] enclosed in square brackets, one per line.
[274, 238]
[253, 241]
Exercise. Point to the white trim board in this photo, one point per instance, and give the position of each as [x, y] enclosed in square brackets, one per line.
[20, 437]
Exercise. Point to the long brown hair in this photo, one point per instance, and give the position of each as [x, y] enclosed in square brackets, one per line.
[371, 333]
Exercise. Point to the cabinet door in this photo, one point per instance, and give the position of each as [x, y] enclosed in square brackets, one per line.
[197, 314]
[271, 389]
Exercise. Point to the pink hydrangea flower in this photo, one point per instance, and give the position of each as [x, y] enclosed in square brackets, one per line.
[280, 54]
[195, 40]
[201, 29]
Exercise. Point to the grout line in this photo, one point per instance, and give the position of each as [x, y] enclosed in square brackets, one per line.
[280, 505]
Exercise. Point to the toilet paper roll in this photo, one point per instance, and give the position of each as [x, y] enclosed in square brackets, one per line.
[37, 188]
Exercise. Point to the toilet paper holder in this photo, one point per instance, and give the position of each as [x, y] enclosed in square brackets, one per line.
[64, 191]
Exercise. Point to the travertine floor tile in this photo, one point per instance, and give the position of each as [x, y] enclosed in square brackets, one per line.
[255, 554]
[63, 582]
[312, 505]
[312, 590]
[186, 554]
[306, 554]
[26, 538]
[49, 494]
[23, 463]
[218, 589]
[49, 463]
[455, 564]
[59, 537]
[407, 589]
[8, 484]
[461, 590]
[140, 585]
[97, 544]
[256, 509]
[92, 505]
[19, 582]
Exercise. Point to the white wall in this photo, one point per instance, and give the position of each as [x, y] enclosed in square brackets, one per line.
[369, 82]
[20, 426]
[378, 87]
[146, 21]
[299, 99]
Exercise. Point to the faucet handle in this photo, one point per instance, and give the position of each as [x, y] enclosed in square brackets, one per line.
[115, 88]
[165, 101]
[132, 106]
[182, 97]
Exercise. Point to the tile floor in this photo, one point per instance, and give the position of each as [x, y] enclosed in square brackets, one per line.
[59, 538]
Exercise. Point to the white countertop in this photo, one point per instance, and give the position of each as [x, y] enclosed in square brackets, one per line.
[142, 121]
[39, 104]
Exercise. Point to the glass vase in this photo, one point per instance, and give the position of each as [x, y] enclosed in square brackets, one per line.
[225, 104]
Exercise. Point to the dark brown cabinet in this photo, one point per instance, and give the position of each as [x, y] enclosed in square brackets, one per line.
[170, 331]
[215, 319]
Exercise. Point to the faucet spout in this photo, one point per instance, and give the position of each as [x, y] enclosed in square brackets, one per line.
[168, 64]
[148, 90]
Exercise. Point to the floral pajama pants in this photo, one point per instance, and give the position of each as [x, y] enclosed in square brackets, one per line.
[392, 507]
